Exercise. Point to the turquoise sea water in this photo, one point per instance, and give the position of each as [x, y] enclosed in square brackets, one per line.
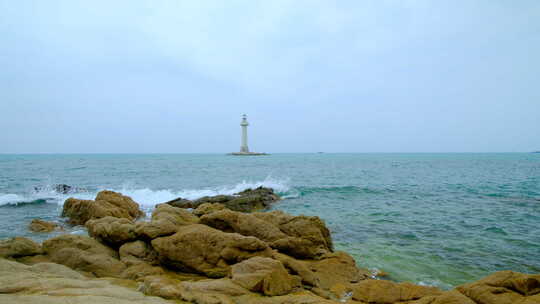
[438, 219]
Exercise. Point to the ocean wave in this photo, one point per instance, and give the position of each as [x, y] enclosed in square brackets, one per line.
[146, 197]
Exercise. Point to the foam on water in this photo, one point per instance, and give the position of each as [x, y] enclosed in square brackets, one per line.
[146, 197]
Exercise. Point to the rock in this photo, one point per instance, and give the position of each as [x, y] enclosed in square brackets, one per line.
[208, 208]
[84, 254]
[107, 203]
[246, 201]
[223, 286]
[60, 188]
[302, 297]
[336, 268]
[503, 287]
[449, 297]
[112, 231]
[49, 283]
[166, 220]
[264, 275]
[383, 292]
[38, 225]
[162, 286]
[138, 272]
[299, 268]
[19, 247]
[202, 249]
[298, 236]
[138, 252]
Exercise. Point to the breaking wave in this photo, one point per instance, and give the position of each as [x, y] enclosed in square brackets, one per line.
[146, 197]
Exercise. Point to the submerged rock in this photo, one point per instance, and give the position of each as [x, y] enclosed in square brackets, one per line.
[38, 225]
[246, 201]
[107, 203]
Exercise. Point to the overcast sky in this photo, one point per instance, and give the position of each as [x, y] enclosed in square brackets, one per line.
[334, 76]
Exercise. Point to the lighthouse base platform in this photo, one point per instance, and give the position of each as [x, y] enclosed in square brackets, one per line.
[247, 153]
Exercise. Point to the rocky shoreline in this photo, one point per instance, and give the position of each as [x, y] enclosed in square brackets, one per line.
[215, 250]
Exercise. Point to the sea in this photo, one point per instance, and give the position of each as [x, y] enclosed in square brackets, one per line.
[432, 219]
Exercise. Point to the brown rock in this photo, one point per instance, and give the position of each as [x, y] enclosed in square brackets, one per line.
[19, 247]
[162, 286]
[208, 208]
[263, 275]
[38, 225]
[223, 286]
[112, 231]
[107, 203]
[449, 297]
[502, 287]
[201, 249]
[166, 220]
[138, 252]
[245, 201]
[299, 268]
[336, 268]
[302, 297]
[49, 283]
[298, 236]
[384, 292]
[84, 254]
[138, 272]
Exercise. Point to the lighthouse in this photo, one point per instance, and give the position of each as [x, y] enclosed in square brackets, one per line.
[244, 150]
[244, 124]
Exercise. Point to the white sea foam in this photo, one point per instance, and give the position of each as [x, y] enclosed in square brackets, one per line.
[146, 197]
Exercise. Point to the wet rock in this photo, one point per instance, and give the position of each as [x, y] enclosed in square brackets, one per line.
[112, 231]
[84, 254]
[384, 292]
[264, 275]
[60, 188]
[49, 283]
[107, 203]
[503, 287]
[298, 236]
[202, 249]
[19, 247]
[166, 220]
[246, 201]
[38, 225]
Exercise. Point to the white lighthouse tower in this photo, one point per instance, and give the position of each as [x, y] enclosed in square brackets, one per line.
[244, 124]
[244, 150]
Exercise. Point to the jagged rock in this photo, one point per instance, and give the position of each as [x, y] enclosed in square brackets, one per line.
[208, 208]
[299, 268]
[112, 231]
[84, 254]
[19, 247]
[298, 236]
[138, 252]
[166, 220]
[384, 292]
[38, 225]
[107, 203]
[202, 249]
[246, 201]
[504, 287]
[49, 283]
[223, 286]
[264, 275]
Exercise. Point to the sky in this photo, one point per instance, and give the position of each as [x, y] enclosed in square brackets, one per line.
[334, 76]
